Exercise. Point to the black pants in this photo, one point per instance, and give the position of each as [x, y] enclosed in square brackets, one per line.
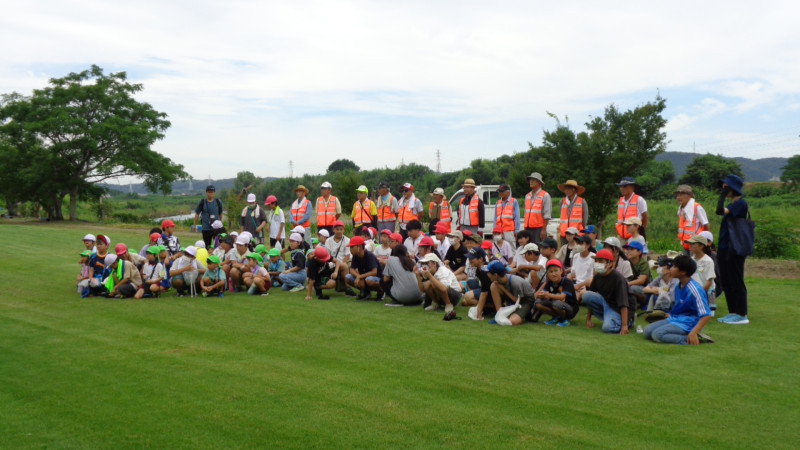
[731, 270]
[208, 237]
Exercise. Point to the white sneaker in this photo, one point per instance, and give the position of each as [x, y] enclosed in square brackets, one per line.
[432, 307]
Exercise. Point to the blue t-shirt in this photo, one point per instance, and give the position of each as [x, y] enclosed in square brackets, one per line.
[737, 210]
[209, 212]
[691, 304]
[279, 266]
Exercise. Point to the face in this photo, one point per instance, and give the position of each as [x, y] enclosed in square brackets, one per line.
[384, 239]
[210, 195]
[470, 244]
[88, 244]
[696, 248]
[168, 230]
[151, 257]
[423, 250]
[338, 232]
[682, 198]
[326, 192]
[84, 260]
[322, 239]
[241, 248]
[361, 196]
[414, 233]
[383, 191]
[632, 228]
[505, 194]
[357, 250]
[299, 193]
[570, 191]
[437, 198]
[273, 259]
[497, 237]
[251, 262]
[251, 205]
[407, 194]
[475, 262]
[632, 253]
[554, 274]
[534, 184]
[469, 190]
[522, 241]
[294, 245]
[162, 255]
[531, 256]
[626, 190]
[570, 238]
[212, 267]
[102, 247]
[548, 252]
[432, 266]
[393, 243]
[673, 271]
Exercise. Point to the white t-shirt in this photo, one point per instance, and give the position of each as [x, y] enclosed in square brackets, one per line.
[583, 268]
[277, 224]
[441, 247]
[185, 261]
[624, 267]
[153, 271]
[382, 253]
[338, 250]
[447, 278]
[543, 271]
[705, 271]
[412, 244]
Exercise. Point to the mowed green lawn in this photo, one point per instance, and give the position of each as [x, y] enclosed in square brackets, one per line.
[279, 371]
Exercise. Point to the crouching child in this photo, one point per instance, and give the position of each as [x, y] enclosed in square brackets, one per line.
[214, 280]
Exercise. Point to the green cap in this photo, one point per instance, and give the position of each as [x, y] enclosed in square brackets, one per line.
[314, 241]
[86, 253]
[260, 249]
[274, 252]
[183, 249]
[162, 248]
[154, 249]
[213, 259]
[310, 252]
[223, 235]
[256, 256]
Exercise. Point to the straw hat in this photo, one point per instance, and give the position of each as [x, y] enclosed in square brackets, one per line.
[469, 182]
[301, 188]
[571, 183]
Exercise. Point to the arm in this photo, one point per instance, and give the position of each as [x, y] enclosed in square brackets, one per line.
[307, 216]
[692, 339]
[338, 208]
[638, 281]
[623, 311]
[644, 220]
[194, 225]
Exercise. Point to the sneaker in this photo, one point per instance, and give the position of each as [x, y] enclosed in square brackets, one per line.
[363, 295]
[726, 318]
[704, 338]
[264, 294]
[492, 322]
[553, 321]
[297, 288]
[738, 320]
[221, 295]
[350, 293]
[432, 307]
[323, 297]
[393, 304]
[563, 324]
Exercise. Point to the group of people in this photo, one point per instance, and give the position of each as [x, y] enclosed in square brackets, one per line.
[519, 275]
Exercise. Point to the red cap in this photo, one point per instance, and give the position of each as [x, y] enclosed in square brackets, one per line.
[497, 230]
[103, 238]
[321, 254]
[338, 223]
[486, 245]
[387, 232]
[121, 249]
[426, 242]
[467, 234]
[555, 262]
[356, 240]
[374, 231]
[442, 228]
[604, 254]
[397, 237]
[154, 237]
[167, 223]
[270, 199]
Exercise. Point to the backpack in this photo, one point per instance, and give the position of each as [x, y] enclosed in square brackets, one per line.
[203, 205]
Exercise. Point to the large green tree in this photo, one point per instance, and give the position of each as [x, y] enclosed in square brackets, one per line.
[84, 128]
[791, 173]
[706, 170]
[615, 145]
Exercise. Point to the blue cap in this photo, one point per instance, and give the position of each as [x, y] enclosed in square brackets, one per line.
[476, 252]
[627, 181]
[734, 182]
[497, 268]
[590, 229]
[635, 244]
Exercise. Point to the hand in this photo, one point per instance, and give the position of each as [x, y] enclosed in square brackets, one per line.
[589, 323]
[623, 331]
[308, 297]
[335, 275]
[193, 227]
[543, 234]
[692, 339]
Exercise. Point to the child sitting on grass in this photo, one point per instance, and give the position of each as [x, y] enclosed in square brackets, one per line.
[125, 278]
[293, 279]
[256, 278]
[213, 281]
[705, 275]
[276, 266]
[84, 277]
[689, 315]
[152, 274]
[661, 292]
[557, 296]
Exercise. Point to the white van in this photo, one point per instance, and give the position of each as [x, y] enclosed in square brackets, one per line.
[488, 193]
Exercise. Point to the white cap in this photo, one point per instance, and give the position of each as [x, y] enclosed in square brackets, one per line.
[530, 247]
[246, 235]
[233, 233]
[89, 237]
[242, 240]
[438, 191]
[190, 250]
[299, 229]
[706, 234]
[297, 237]
[612, 241]
[363, 189]
[251, 198]
[572, 230]
[326, 185]
[216, 225]
[431, 257]
[324, 232]
[200, 244]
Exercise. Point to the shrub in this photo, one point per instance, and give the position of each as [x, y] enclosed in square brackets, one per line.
[776, 236]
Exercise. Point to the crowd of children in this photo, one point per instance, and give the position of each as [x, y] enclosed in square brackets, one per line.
[515, 282]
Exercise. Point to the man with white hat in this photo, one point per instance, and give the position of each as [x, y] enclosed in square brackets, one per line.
[365, 213]
[253, 219]
[300, 212]
[387, 208]
[438, 210]
[630, 205]
[692, 218]
[574, 210]
[471, 214]
[328, 208]
[209, 209]
[442, 286]
[408, 208]
[538, 208]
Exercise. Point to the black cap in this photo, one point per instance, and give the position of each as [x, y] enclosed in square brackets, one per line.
[383, 185]
[503, 188]
[476, 252]
[548, 243]
[211, 187]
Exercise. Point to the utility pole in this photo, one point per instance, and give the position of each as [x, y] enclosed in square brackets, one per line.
[438, 161]
[291, 169]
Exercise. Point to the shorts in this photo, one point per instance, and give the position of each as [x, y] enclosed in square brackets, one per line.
[455, 296]
[321, 281]
[525, 308]
[558, 305]
[352, 278]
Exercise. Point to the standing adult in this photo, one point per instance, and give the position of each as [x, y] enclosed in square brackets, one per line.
[328, 208]
[300, 212]
[506, 215]
[253, 219]
[630, 205]
[733, 248]
[538, 208]
[365, 213]
[574, 210]
[387, 208]
[209, 209]
[408, 208]
[438, 210]
[276, 221]
[692, 218]
[471, 214]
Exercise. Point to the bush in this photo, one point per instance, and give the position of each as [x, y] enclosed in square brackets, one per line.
[763, 191]
[776, 236]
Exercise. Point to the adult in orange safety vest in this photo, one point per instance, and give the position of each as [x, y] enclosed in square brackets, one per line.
[630, 205]
[471, 214]
[408, 208]
[506, 215]
[538, 208]
[364, 211]
[692, 218]
[328, 208]
[574, 210]
[438, 210]
[387, 208]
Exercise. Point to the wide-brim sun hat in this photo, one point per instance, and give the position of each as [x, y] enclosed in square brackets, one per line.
[734, 182]
[573, 184]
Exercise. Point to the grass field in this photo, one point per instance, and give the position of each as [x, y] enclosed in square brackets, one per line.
[279, 371]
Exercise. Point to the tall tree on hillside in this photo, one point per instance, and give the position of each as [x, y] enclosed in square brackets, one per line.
[706, 170]
[791, 173]
[342, 165]
[615, 145]
[86, 128]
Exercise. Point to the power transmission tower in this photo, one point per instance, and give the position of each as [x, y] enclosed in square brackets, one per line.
[438, 161]
[291, 169]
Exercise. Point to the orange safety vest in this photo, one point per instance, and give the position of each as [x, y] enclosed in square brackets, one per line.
[571, 217]
[444, 211]
[687, 229]
[474, 217]
[626, 213]
[385, 213]
[362, 213]
[299, 212]
[504, 216]
[533, 210]
[406, 214]
[326, 217]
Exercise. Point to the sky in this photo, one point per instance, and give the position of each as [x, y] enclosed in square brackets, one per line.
[255, 85]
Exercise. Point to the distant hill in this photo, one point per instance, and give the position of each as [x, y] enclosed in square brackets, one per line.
[763, 169]
[179, 187]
